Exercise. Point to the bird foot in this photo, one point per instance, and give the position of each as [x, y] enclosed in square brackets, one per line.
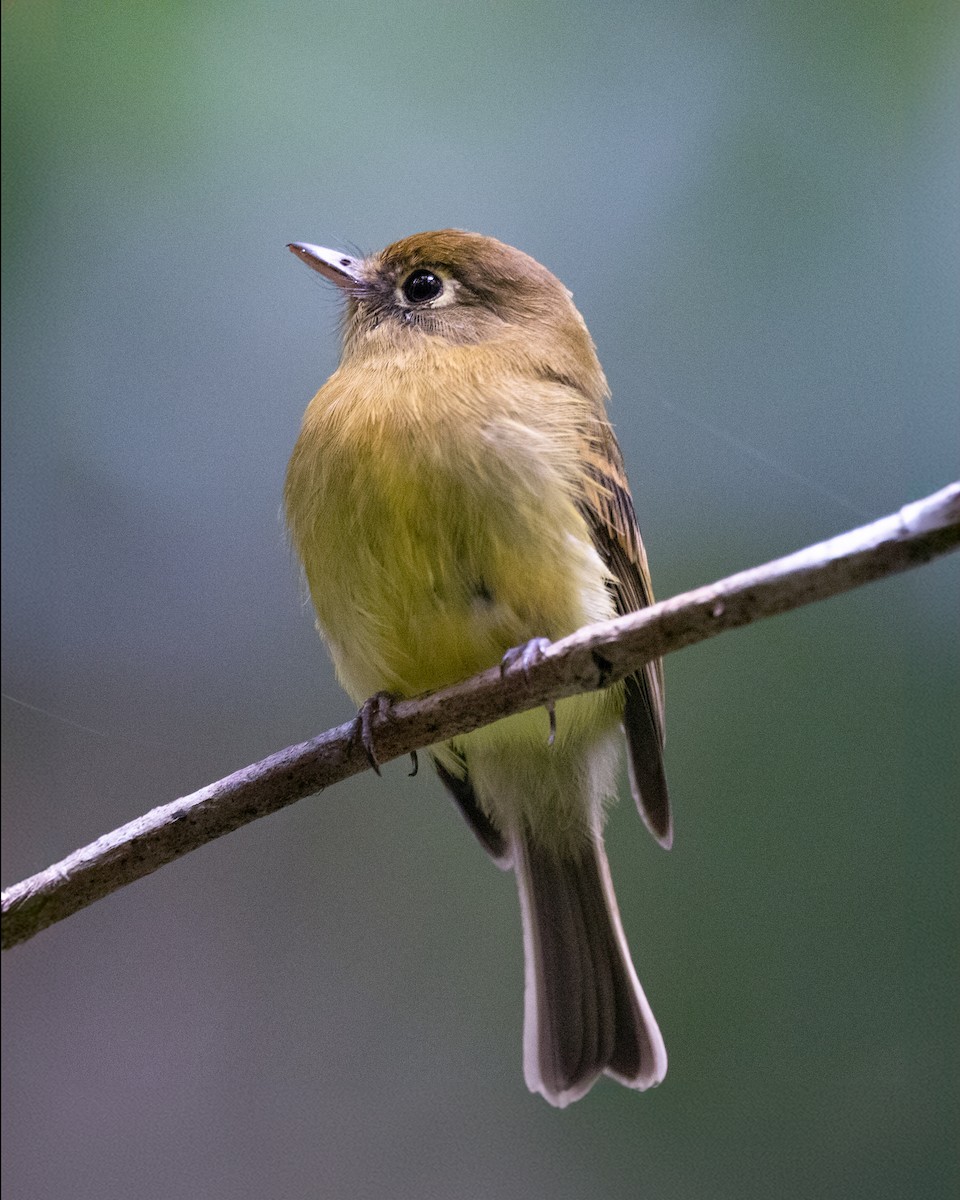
[526, 656]
[375, 708]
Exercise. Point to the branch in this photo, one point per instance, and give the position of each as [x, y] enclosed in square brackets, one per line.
[593, 657]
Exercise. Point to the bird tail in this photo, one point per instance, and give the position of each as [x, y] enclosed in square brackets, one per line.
[585, 1012]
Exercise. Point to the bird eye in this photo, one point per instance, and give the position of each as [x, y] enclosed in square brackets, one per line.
[422, 286]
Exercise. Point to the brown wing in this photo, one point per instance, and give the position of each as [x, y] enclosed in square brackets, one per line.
[458, 784]
[608, 508]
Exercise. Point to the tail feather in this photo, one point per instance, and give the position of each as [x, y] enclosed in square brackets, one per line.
[585, 1011]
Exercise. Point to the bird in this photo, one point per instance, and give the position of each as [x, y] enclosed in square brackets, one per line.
[457, 498]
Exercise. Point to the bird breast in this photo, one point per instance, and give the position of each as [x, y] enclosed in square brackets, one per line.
[435, 536]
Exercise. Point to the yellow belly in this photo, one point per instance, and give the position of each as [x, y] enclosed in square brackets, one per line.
[425, 568]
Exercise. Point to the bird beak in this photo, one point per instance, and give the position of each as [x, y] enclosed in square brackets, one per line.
[334, 265]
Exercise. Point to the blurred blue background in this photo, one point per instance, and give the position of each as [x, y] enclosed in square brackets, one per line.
[756, 208]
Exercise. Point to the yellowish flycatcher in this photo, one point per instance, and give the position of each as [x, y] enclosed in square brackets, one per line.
[457, 492]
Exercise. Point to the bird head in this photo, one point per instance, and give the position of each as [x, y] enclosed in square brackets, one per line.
[463, 289]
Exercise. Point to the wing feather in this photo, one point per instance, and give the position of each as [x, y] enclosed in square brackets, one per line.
[608, 508]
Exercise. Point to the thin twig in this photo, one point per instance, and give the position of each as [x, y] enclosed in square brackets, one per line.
[593, 657]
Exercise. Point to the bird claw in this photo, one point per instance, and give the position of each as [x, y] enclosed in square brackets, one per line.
[527, 656]
[414, 764]
[374, 708]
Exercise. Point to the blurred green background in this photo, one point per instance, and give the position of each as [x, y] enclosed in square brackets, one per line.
[756, 207]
